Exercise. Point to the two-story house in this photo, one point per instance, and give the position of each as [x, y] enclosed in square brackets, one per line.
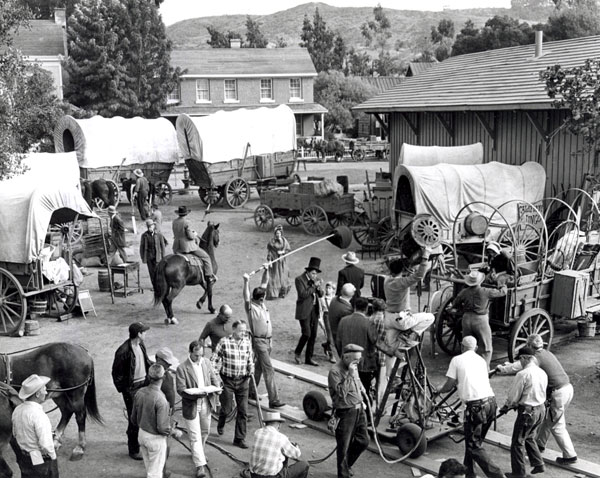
[232, 78]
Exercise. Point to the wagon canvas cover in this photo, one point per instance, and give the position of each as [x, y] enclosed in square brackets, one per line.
[412, 155]
[223, 136]
[442, 190]
[49, 190]
[101, 142]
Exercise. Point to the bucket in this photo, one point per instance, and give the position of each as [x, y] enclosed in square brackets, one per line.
[38, 307]
[103, 281]
[586, 328]
[32, 327]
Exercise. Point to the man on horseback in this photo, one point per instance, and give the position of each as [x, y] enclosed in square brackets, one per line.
[32, 430]
[186, 242]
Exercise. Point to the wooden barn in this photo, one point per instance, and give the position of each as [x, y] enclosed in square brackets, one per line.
[496, 98]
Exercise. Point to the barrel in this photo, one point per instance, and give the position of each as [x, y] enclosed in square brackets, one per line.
[38, 307]
[476, 224]
[32, 327]
[103, 281]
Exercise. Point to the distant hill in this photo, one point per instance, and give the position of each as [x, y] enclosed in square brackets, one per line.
[407, 25]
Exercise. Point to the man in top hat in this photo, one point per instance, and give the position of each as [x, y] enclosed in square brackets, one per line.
[151, 415]
[186, 242]
[309, 288]
[140, 193]
[272, 450]
[152, 248]
[346, 391]
[351, 274]
[117, 232]
[32, 431]
[528, 395]
[473, 302]
[500, 266]
[129, 370]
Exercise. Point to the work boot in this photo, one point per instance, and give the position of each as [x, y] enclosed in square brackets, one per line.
[240, 444]
[136, 456]
[566, 461]
[200, 472]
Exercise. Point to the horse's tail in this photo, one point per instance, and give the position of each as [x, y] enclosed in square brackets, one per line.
[161, 287]
[91, 404]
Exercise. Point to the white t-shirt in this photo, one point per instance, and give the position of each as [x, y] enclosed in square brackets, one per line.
[471, 372]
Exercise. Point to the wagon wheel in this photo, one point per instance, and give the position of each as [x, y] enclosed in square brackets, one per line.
[76, 233]
[163, 193]
[264, 218]
[13, 305]
[67, 296]
[237, 192]
[534, 321]
[448, 328]
[527, 240]
[210, 196]
[343, 219]
[384, 231]
[562, 247]
[314, 220]
[442, 264]
[393, 246]
[294, 219]
[361, 229]
[439, 297]
[359, 155]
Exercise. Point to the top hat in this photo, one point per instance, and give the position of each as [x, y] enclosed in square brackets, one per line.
[31, 385]
[314, 264]
[474, 278]
[138, 172]
[350, 258]
[183, 211]
[272, 417]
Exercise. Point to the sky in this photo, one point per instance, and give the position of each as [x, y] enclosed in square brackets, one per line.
[174, 11]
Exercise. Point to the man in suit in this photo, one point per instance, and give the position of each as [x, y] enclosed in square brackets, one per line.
[351, 274]
[197, 372]
[185, 241]
[340, 307]
[309, 288]
[152, 248]
[117, 232]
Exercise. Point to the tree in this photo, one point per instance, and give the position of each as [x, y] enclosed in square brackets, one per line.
[339, 94]
[578, 90]
[323, 46]
[254, 37]
[280, 42]
[378, 30]
[442, 39]
[357, 63]
[119, 59]
[44, 9]
[578, 21]
[220, 39]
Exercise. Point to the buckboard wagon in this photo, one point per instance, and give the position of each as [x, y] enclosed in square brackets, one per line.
[299, 205]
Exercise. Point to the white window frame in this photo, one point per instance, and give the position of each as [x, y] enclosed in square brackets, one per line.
[203, 85]
[225, 90]
[294, 98]
[266, 90]
[174, 96]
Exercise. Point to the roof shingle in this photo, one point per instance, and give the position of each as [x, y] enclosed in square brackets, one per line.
[43, 38]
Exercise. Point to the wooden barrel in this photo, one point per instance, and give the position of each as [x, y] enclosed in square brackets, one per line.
[38, 307]
[32, 327]
[103, 281]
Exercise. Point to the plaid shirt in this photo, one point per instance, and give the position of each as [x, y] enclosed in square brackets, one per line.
[233, 358]
[378, 318]
[270, 450]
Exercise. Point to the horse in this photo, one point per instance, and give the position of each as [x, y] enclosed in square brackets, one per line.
[174, 272]
[72, 384]
[99, 192]
[8, 402]
[331, 147]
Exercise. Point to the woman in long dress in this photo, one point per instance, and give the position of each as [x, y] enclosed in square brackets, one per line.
[279, 277]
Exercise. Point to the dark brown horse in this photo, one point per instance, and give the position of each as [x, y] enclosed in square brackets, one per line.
[8, 401]
[72, 385]
[174, 272]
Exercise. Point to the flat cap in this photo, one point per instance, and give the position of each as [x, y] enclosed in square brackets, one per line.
[352, 348]
[138, 327]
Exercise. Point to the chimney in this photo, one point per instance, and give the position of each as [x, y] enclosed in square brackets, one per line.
[60, 16]
[539, 39]
[235, 43]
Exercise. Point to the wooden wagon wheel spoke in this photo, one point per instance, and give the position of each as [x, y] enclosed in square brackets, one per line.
[526, 241]
[210, 196]
[343, 219]
[361, 230]
[384, 231]
[13, 305]
[116, 196]
[63, 229]
[314, 220]
[163, 193]
[264, 218]
[294, 220]
[448, 329]
[237, 192]
[534, 321]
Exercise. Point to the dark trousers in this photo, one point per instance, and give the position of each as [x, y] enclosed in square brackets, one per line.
[366, 378]
[238, 388]
[48, 469]
[478, 420]
[351, 438]
[329, 345]
[132, 430]
[263, 366]
[309, 328]
[529, 420]
[297, 470]
[142, 204]
[151, 263]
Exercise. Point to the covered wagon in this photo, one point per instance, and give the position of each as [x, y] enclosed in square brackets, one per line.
[228, 152]
[112, 148]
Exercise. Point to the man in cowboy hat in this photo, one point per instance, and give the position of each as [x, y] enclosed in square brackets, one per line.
[473, 303]
[309, 289]
[351, 274]
[272, 450]
[186, 242]
[140, 193]
[32, 431]
[152, 248]
[117, 232]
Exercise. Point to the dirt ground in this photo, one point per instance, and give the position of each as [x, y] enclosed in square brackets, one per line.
[243, 248]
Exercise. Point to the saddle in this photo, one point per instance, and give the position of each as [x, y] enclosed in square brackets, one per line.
[191, 259]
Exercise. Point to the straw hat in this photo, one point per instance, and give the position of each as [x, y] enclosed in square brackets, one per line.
[138, 172]
[350, 258]
[474, 278]
[31, 385]
[269, 417]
